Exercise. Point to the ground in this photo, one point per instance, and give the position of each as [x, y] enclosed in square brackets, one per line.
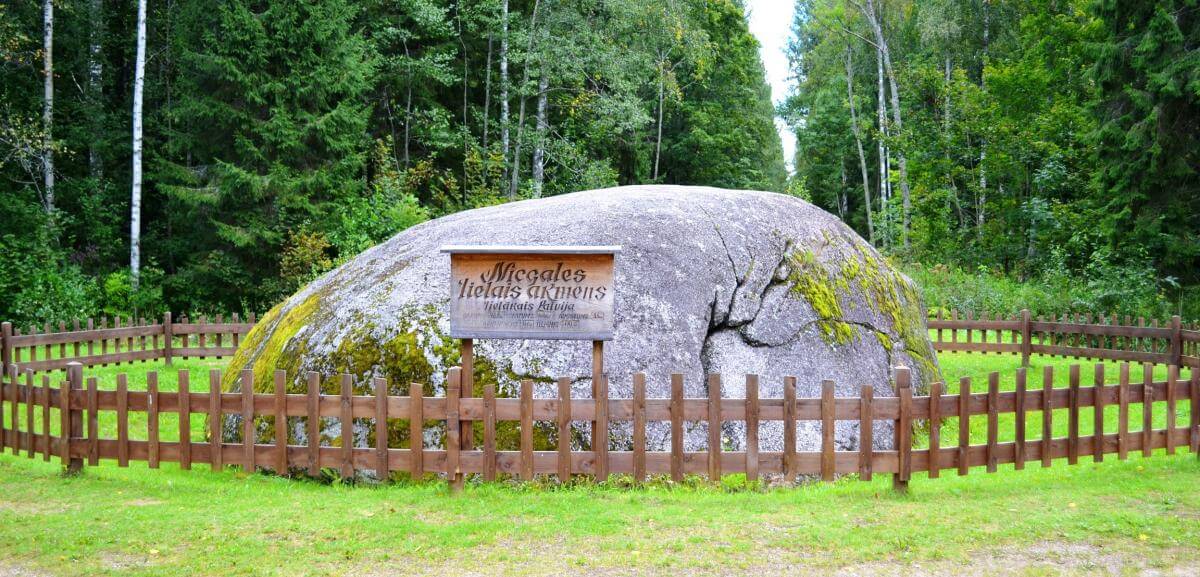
[1134, 517]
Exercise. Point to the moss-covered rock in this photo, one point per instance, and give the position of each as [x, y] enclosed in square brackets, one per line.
[708, 280]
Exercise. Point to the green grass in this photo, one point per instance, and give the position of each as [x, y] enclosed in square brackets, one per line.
[1134, 514]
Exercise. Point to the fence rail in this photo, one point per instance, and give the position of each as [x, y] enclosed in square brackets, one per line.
[92, 344]
[241, 427]
[1070, 335]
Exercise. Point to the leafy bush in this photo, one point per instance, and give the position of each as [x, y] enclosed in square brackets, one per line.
[1105, 286]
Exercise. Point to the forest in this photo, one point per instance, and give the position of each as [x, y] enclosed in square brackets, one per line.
[1029, 153]
[280, 137]
[211, 156]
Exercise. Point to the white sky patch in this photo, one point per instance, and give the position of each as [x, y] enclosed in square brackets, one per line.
[771, 22]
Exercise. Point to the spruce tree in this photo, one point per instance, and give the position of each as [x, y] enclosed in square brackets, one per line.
[270, 136]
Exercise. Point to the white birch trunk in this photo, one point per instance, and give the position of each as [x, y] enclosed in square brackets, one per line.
[504, 82]
[862, 157]
[135, 204]
[95, 84]
[48, 106]
[658, 138]
[539, 151]
[897, 121]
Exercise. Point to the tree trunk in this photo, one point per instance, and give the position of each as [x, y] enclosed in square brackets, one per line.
[515, 175]
[658, 138]
[135, 204]
[881, 118]
[466, 127]
[504, 82]
[539, 151]
[95, 87]
[48, 106]
[407, 103]
[881, 42]
[487, 94]
[980, 208]
[862, 158]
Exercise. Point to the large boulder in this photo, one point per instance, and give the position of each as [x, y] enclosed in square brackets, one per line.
[708, 281]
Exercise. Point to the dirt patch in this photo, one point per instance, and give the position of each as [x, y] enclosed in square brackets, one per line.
[8, 569]
[1041, 560]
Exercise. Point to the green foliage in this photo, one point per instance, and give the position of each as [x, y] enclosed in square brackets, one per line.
[1062, 145]
[348, 121]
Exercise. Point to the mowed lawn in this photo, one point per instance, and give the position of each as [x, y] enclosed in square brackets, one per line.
[1139, 516]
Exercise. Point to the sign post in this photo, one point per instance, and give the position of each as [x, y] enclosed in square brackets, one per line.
[530, 292]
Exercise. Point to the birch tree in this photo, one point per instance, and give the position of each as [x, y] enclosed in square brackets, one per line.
[862, 158]
[48, 106]
[135, 203]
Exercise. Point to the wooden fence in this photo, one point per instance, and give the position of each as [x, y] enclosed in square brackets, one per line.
[1069, 335]
[454, 419]
[1073, 335]
[92, 344]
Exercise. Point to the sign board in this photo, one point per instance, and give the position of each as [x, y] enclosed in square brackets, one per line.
[532, 292]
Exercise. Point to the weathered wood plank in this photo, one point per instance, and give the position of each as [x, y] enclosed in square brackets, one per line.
[639, 427]
[827, 431]
[564, 429]
[752, 427]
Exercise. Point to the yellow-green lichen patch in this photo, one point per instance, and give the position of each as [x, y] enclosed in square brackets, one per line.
[814, 283]
[265, 347]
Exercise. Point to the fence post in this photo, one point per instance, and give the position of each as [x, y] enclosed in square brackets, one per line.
[903, 431]
[1026, 333]
[6, 348]
[1176, 342]
[168, 338]
[75, 419]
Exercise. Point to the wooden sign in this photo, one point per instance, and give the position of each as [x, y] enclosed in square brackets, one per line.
[532, 292]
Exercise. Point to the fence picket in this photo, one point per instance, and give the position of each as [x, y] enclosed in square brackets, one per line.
[993, 422]
[903, 430]
[1019, 420]
[346, 423]
[93, 423]
[122, 421]
[454, 386]
[1099, 391]
[639, 427]
[416, 431]
[866, 432]
[383, 467]
[714, 427]
[964, 425]
[281, 422]
[30, 404]
[248, 433]
[564, 429]
[791, 464]
[1047, 413]
[1195, 412]
[185, 422]
[752, 427]
[935, 429]
[312, 423]
[1123, 415]
[1172, 381]
[527, 429]
[676, 427]
[216, 435]
[489, 431]
[152, 419]
[827, 431]
[1073, 416]
[1147, 409]
[600, 433]
[45, 404]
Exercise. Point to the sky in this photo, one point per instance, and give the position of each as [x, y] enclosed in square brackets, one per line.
[770, 22]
